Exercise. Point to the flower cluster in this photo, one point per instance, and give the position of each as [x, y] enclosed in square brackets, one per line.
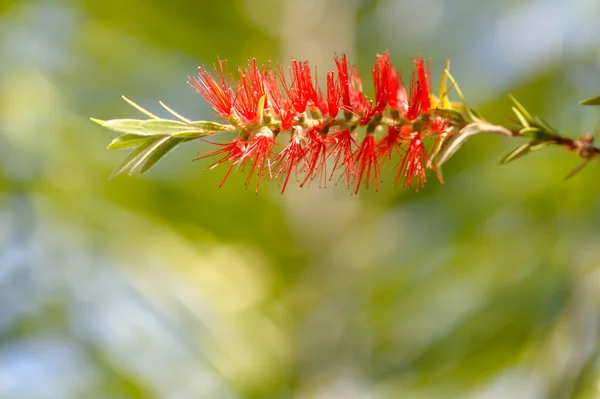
[322, 123]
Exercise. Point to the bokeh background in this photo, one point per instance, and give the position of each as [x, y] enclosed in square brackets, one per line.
[164, 286]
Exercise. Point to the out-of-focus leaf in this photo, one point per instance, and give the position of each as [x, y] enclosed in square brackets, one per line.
[591, 101]
[444, 101]
[456, 142]
[132, 156]
[261, 107]
[142, 110]
[517, 153]
[192, 134]
[524, 113]
[525, 149]
[164, 126]
[577, 169]
[209, 126]
[132, 126]
[468, 111]
[175, 114]
[531, 132]
[148, 153]
[160, 152]
[451, 114]
[536, 133]
[546, 126]
[522, 119]
[127, 141]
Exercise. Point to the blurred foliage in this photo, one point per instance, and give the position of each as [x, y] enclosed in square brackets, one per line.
[164, 286]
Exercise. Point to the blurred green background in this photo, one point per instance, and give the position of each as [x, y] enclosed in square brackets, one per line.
[164, 286]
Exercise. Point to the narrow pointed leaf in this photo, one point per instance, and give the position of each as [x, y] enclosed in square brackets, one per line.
[517, 153]
[132, 156]
[468, 111]
[591, 101]
[537, 145]
[577, 169]
[175, 114]
[144, 157]
[142, 110]
[261, 107]
[209, 126]
[164, 126]
[521, 109]
[131, 126]
[456, 142]
[127, 141]
[451, 114]
[160, 152]
[546, 126]
[522, 119]
[532, 132]
[192, 134]
[444, 102]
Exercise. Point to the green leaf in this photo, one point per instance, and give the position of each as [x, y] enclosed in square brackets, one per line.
[444, 101]
[525, 149]
[577, 169]
[208, 126]
[191, 134]
[532, 132]
[517, 153]
[522, 119]
[451, 114]
[160, 151]
[469, 112]
[456, 142]
[522, 110]
[132, 126]
[175, 114]
[132, 156]
[127, 141]
[164, 126]
[144, 157]
[142, 110]
[591, 101]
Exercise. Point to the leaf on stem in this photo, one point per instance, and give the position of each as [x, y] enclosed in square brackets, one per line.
[591, 101]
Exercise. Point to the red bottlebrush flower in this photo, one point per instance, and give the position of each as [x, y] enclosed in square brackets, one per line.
[344, 82]
[321, 101]
[358, 101]
[259, 152]
[316, 98]
[419, 91]
[290, 157]
[360, 105]
[414, 162]
[294, 91]
[246, 103]
[366, 161]
[342, 151]
[333, 95]
[381, 72]
[437, 125]
[233, 151]
[281, 107]
[305, 86]
[397, 96]
[249, 91]
[316, 155]
[216, 91]
[391, 142]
